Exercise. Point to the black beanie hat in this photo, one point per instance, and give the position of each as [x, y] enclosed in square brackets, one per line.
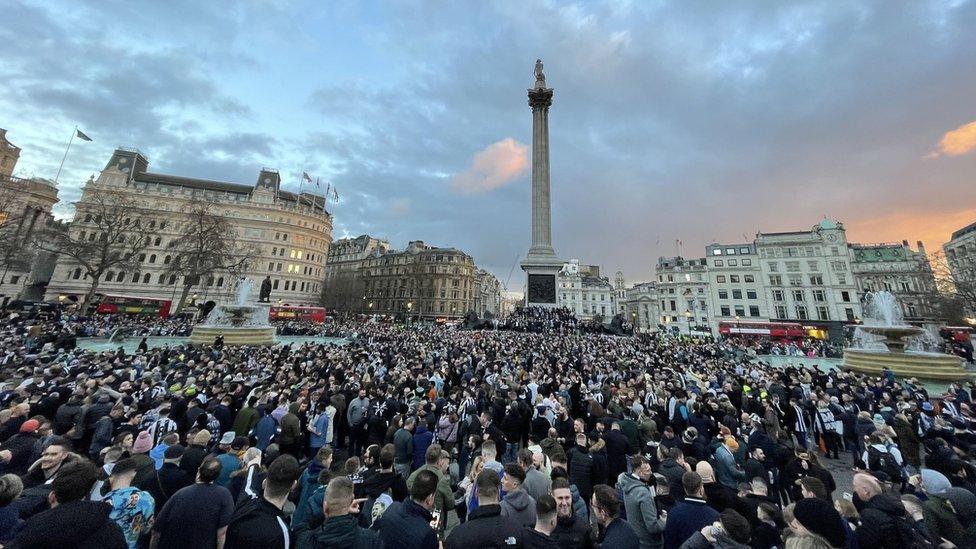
[820, 517]
[736, 526]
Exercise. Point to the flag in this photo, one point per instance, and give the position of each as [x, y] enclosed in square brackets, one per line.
[81, 135]
[306, 177]
[317, 183]
[335, 194]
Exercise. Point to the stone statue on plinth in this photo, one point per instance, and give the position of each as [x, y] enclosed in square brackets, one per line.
[265, 295]
[540, 77]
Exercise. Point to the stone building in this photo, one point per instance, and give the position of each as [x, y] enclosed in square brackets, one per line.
[582, 290]
[808, 277]
[641, 307]
[290, 233]
[735, 283]
[684, 295]
[898, 269]
[9, 154]
[960, 254]
[343, 285]
[421, 282]
[487, 294]
[25, 207]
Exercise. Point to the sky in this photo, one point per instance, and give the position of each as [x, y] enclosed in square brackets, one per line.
[686, 121]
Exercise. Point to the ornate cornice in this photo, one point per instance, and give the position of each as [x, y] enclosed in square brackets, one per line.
[540, 98]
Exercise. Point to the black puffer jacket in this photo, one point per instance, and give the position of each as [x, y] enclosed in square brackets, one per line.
[882, 518]
[78, 524]
[486, 528]
[342, 532]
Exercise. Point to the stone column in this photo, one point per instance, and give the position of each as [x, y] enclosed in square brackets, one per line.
[540, 98]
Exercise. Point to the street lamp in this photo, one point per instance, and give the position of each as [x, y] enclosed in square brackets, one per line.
[688, 320]
[409, 311]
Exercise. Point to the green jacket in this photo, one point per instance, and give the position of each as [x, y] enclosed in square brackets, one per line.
[942, 522]
[444, 498]
[245, 421]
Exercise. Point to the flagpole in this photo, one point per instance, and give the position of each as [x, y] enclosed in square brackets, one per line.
[66, 149]
[298, 202]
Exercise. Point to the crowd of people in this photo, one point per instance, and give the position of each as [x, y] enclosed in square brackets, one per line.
[425, 436]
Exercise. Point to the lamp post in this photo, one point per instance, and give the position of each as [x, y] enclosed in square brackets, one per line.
[633, 320]
[688, 320]
[409, 311]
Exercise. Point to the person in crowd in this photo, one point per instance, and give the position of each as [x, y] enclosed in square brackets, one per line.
[572, 530]
[486, 526]
[540, 537]
[195, 516]
[410, 523]
[517, 504]
[340, 530]
[537, 483]
[262, 522]
[616, 531]
[689, 515]
[72, 521]
[638, 502]
[168, 480]
[132, 508]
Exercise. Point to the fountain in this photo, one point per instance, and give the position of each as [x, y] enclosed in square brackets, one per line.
[243, 323]
[882, 340]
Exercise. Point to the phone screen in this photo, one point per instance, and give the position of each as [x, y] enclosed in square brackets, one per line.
[436, 519]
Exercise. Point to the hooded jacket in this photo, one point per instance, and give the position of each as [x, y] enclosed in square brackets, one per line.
[722, 541]
[383, 481]
[519, 506]
[291, 427]
[342, 532]
[78, 524]
[485, 528]
[673, 471]
[407, 524]
[641, 511]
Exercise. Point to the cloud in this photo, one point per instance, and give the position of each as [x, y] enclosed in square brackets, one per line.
[495, 166]
[400, 207]
[956, 142]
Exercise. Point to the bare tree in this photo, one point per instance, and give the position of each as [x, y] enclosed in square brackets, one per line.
[208, 244]
[344, 293]
[15, 253]
[106, 234]
[955, 287]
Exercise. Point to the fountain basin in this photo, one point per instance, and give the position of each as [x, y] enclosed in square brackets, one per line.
[907, 364]
[233, 335]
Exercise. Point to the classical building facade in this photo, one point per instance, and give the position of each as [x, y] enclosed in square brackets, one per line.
[640, 306]
[735, 283]
[582, 290]
[343, 286]
[684, 294]
[808, 276]
[9, 154]
[421, 282]
[898, 269]
[289, 233]
[25, 207]
[487, 294]
[960, 254]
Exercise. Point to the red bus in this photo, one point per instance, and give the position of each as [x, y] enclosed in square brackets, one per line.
[295, 312]
[113, 304]
[772, 330]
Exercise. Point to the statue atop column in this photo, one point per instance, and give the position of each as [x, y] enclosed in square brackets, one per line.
[540, 77]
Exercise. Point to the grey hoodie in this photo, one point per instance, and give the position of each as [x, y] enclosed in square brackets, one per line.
[641, 511]
[520, 507]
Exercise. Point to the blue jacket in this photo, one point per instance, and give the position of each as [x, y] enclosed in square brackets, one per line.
[422, 439]
[264, 431]
[308, 514]
[726, 470]
[322, 426]
[406, 525]
[308, 482]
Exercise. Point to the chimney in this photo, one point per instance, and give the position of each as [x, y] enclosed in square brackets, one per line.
[904, 243]
[921, 247]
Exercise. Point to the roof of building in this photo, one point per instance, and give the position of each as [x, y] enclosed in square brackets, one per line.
[964, 231]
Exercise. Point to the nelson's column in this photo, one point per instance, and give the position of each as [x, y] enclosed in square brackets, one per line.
[541, 264]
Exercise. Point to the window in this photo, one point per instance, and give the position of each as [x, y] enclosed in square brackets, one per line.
[838, 266]
[274, 285]
[816, 280]
[145, 279]
[135, 277]
[746, 262]
[719, 263]
[120, 276]
[841, 278]
[796, 280]
[774, 266]
[749, 279]
[77, 274]
[819, 295]
[729, 251]
[813, 265]
[797, 295]
[781, 311]
[220, 282]
[161, 278]
[801, 312]
[716, 251]
[733, 263]
[845, 296]
[753, 310]
[823, 313]
[740, 310]
[792, 266]
[736, 294]
[775, 280]
[723, 294]
[734, 279]
[850, 314]
[751, 294]
[720, 279]
[726, 311]
[14, 279]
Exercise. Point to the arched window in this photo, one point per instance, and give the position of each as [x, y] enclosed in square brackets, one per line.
[120, 277]
[152, 224]
[167, 259]
[162, 225]
[109, 276]
[152, 258]
[135, 277]
[157, 241]
[77, 274]
[161, 278]
[145, 279]
[220, 282]
[172, 280]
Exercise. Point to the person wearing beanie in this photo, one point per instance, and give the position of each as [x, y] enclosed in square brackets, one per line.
[940, 517]
[15, 452]
[816, 516]
[195, 452]
[730, 531]
[727, 471]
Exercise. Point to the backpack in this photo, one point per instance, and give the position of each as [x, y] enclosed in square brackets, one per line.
[884, 462]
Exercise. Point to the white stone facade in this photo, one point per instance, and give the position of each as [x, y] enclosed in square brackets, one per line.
[736, 283]
[684, 294]
[584, 294]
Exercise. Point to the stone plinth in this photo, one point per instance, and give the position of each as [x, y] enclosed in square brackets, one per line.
[934, 366]
[205, 335]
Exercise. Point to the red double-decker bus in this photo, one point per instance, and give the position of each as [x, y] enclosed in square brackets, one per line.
[772, 330]
[295, 312]
[123, 304]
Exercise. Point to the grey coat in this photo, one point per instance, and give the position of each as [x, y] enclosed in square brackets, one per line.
[641, 511]
[536, 483]
[520, 507]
